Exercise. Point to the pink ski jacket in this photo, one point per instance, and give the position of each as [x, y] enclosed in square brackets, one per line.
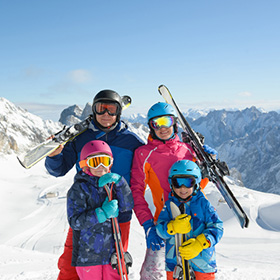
[150, 167]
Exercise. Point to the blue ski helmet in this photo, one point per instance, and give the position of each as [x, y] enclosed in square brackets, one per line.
[161, 109]
[186, 168]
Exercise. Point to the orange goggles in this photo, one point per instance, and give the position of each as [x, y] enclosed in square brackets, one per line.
[101, 108]
[95, 161]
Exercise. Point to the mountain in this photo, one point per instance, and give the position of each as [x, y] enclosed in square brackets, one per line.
[246, 139]
[20, 130]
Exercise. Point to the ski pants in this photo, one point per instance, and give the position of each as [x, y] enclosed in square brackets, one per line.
[68, 272]
[98, 272]
[198, 275]
[153, 267]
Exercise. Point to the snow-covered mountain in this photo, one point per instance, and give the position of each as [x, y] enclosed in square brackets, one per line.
[20, 130]
[246, 139]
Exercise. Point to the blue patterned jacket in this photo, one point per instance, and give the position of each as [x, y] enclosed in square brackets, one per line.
[93, 242]
[122, 142]
[204, 220]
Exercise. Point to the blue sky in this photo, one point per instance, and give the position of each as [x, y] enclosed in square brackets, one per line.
[210, 53]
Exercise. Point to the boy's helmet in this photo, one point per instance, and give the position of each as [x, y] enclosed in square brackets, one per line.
[185, 168]
[161, 109]
[95, 147]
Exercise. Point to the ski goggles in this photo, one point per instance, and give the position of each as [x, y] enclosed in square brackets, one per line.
[101, 108]
[164, 121]
[178, 182]
[95, 161]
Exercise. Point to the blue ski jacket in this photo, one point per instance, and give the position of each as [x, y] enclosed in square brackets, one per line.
[122, 142]
[93, 242]
[204, 220]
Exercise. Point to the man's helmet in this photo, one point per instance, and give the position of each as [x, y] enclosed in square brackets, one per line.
[108, 96]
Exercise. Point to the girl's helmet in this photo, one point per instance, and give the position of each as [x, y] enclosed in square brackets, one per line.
[161, 109]
[185, 168]
[95, 147]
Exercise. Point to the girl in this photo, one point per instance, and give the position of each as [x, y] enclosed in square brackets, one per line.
[89, 212]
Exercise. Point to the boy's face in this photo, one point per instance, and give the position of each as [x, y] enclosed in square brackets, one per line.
[183, 192]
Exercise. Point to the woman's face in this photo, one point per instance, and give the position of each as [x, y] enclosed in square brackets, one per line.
[164, 133]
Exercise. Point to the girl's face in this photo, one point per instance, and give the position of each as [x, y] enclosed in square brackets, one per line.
[99, 171]
[183, 192]
[164, 133]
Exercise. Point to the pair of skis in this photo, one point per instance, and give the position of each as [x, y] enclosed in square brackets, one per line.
[182, 270]
[120, 260]
[214, 169]
[31, 157]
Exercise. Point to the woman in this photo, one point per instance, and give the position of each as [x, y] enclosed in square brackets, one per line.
[151, 164]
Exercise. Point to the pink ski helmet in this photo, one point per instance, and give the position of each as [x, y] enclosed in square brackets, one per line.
[95, 147]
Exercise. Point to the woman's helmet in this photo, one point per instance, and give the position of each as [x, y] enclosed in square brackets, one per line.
[185, 169]
[158, 110]
[95, 147]
[161, 109]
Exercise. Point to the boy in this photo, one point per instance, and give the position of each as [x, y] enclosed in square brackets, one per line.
[199, 222]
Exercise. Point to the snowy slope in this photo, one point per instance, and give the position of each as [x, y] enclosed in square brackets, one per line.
[34, 227]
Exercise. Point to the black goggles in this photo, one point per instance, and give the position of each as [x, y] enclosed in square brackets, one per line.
[187, 181]
[101, 108]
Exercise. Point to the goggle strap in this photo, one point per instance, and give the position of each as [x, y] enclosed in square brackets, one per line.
[83, 163]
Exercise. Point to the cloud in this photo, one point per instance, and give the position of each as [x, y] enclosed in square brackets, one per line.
[80, 76]
[245, 94]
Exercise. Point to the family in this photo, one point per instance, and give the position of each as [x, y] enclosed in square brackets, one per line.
[108, 153]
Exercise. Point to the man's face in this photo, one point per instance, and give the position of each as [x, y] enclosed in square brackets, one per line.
[106, 113]
[105, 119]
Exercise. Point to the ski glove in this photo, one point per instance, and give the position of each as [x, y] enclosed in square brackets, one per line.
[181, 224]
[192, 247]
[108, 178]
[212, 152]
[152, 239]
[100, 214]
[110, 208]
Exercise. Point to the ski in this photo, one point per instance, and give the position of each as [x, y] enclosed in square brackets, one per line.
[214, 169]
[182, 270]
[120, 259]
[39, 152]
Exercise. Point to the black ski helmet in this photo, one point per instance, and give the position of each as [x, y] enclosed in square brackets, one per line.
[109, 96]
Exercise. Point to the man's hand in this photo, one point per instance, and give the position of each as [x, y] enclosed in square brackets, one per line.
[57, 151]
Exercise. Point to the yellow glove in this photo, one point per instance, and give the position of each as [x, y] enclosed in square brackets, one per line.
[181, 224]
[192, 247]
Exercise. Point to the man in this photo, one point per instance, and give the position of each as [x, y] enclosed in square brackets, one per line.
[106, 126]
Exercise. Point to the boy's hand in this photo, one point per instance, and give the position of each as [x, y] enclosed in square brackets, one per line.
[181, 224]
[192, 247]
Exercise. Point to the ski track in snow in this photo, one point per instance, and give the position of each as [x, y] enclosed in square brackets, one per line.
[34, 228]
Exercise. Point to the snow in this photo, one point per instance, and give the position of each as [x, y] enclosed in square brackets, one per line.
[34, 226]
